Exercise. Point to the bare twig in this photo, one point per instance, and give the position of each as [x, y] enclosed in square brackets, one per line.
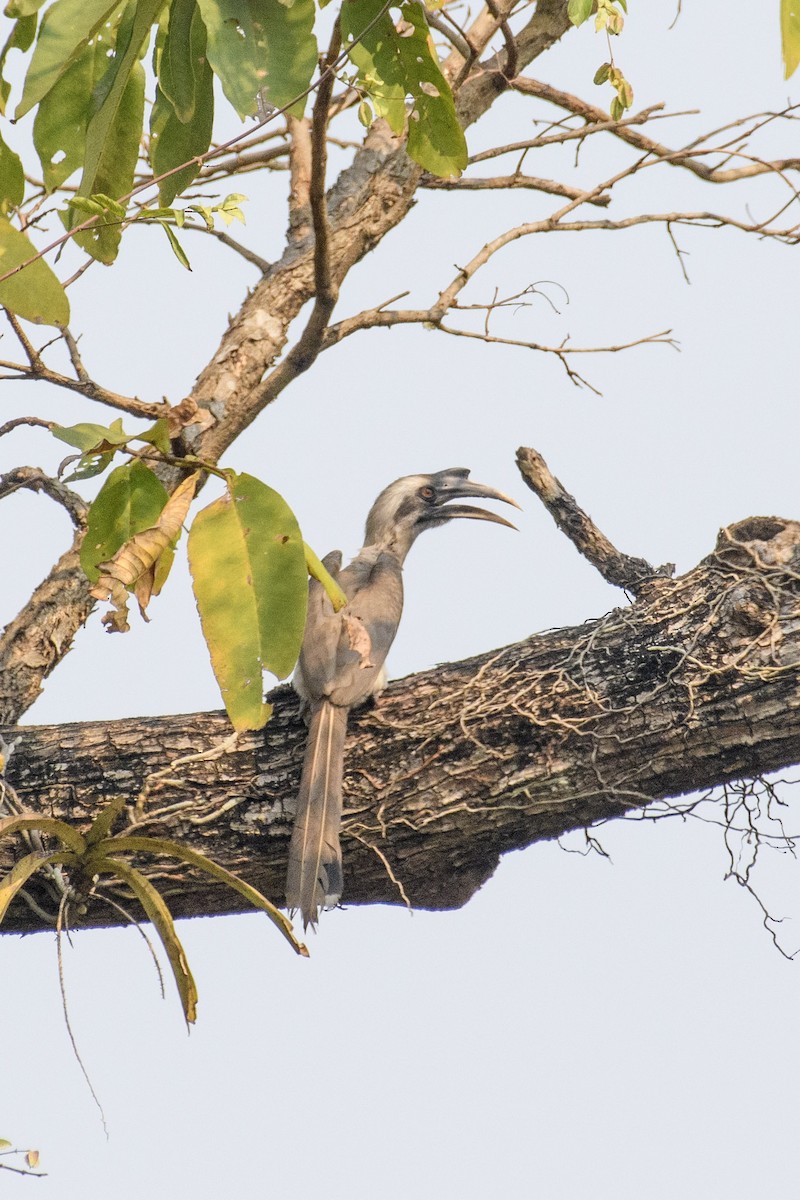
[507, 183]
[509, 67]
[685, 157]
[621, 570]
[226, 239]
[17, 421]
[444, 24]
[326, 290]
[37, 481]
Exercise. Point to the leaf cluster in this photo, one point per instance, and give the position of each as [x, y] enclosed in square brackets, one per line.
[609, 18]
[86, 84]
[247, 557]
[97, 853]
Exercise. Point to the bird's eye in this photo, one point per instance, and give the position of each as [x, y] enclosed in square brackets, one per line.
[427, 493]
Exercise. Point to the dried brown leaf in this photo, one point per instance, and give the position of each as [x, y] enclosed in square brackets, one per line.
[133, 567]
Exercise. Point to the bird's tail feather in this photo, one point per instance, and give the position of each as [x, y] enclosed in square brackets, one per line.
[314, 876]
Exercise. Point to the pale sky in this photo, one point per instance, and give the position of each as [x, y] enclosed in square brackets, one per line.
[583, 1028]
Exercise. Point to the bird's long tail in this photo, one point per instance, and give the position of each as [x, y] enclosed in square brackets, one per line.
[314, 877]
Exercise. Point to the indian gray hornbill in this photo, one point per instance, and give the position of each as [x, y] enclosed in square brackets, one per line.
[342, 660]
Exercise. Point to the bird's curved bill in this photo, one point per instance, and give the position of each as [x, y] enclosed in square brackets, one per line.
[478, 491]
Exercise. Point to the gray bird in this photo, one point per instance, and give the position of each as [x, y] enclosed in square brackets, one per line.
[342, 660]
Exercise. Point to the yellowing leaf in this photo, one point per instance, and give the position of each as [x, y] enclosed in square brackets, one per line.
[248, 568]
[149, 845]
[316, 570]
[790, 35]
[161, 918]
[32, 1158]
[67, 834]
[19, 875]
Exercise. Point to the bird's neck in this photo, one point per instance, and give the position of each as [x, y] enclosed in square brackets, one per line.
[397, 543]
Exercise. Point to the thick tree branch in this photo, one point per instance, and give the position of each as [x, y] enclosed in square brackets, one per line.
[694, 686]
[34, 643]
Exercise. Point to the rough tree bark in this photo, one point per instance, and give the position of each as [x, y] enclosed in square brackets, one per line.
[695, 684]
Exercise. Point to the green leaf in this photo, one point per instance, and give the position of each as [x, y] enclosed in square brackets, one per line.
[114, 132]
[176, 247]
[130, 500]
[157, 435]
[261, 46]
[112, 172]
[602, 73]
[229, 209]
[790, 35]
[34, 293]
[435, 137]
[164, 846]
[101, 825]
[22, 8]
[59, 128]
[365, 114]
[87, 436]
[174, 141]
[19, 875]
[67, 27]
[160, 917]
[20, 38]
[182, 62]
[248, 566]
[579, 11]
[89, 465]
[393, 64]
[12, 179]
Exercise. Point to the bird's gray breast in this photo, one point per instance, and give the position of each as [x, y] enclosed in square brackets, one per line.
[343, 653]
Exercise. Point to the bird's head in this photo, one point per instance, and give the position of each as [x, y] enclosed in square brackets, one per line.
[417, 502]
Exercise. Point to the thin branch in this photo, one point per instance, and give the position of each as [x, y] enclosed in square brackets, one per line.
[431, 318]
[226, 239]
[682, 158]
[569, 133]
[509, 68]
[17, 421]
[36, 480]
[326, 290]
[37, 370]
[75, 356]
[244, 164]
[443, 24]
[508, 182]
[621, 570]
